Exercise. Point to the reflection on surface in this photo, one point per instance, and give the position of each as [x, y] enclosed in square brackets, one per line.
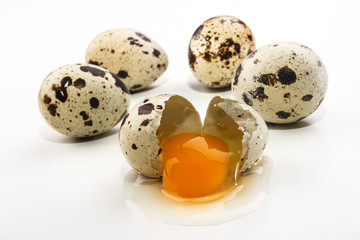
[144, 196]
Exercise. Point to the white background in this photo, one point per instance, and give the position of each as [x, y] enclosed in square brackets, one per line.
[55, 187]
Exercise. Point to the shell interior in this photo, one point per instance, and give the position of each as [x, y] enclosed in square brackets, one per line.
[179, 116]
[226, 119]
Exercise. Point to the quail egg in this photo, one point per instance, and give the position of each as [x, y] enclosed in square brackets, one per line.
[82, 100]
[216, 49]
[283, 81]
[163, 136]
[131, 55]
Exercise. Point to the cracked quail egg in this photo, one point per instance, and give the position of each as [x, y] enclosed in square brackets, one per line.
[283, 81]
[163, 136]
[131, 55]
[216, 49]
[82, 100]
[164, 139]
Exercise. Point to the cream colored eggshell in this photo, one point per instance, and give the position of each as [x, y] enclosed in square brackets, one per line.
[157, 118]
[134, 57]
[252, 124]
[248, 122]
[217, 48]
[284, 82]
[147, 123]
[82, 100]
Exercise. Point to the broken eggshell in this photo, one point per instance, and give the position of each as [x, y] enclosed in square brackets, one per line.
[157, 118]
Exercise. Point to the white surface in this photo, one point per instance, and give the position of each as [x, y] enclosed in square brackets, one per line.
[53, 187]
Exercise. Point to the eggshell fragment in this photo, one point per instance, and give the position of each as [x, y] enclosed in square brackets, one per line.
[216, 49]
[157, 118]
[131, 55]
[150, 121]
[240, 126]
[82, 100]
[284, 82]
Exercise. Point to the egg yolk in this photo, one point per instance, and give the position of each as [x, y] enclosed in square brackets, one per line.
[194, 164]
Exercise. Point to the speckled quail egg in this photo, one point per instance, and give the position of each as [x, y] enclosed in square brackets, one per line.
[82, 100]
[216, 49]
[163, 136]
[131, 55]
[284, 82]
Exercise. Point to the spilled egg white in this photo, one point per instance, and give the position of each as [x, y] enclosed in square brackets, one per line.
[160, 117]
[146, 200]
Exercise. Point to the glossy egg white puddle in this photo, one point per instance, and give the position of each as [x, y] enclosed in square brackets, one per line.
[145, 198]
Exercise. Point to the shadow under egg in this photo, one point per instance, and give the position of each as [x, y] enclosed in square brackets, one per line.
[55, 137]
[146, 199]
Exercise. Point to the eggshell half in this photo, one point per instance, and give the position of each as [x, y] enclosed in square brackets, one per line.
[240, 126]
[150, 121]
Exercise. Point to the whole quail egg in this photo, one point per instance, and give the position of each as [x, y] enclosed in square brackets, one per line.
[216, 49]
[131, 55]
[82, 100]
[163, 136]
[283, 81]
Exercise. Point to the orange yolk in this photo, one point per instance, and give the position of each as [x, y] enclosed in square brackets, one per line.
[194, 164]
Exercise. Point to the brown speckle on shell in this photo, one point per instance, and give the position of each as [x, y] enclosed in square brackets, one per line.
[145, 122]
[307, 97]
[94, 62]
[120, 84]
[124, 119]
[197, 33]
[47, 99]
[61, 90]
[283, 114]
[52, 109]
[88, 123]
[84, 115]
[246, 99]
[287, 95]
[96, 72]
[228, 49]
[156, 53]
[122, 74]
[94, 102]
[237, 74]
[192, 59]
[146, 109]
[286, 75]
[259, 94]
[135, 42]
[268, 79]
[79, 83]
